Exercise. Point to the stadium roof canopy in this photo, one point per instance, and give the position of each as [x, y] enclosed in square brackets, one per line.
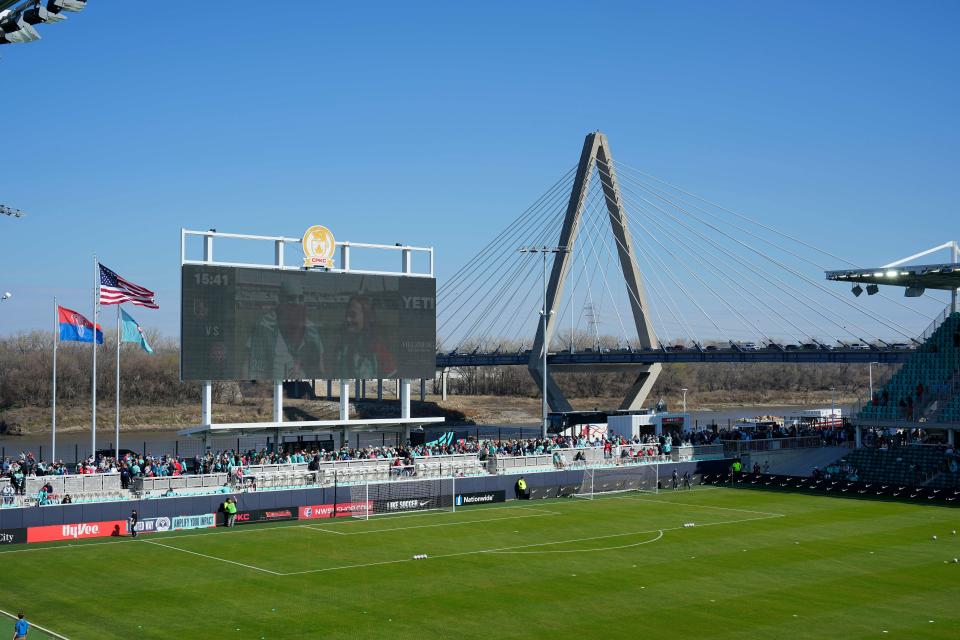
[922, 276]
[304, 426]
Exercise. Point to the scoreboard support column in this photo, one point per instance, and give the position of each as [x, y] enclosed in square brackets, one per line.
[405, 399]
[278, 401]
[206, 403]
[206, 393]
[344, 399]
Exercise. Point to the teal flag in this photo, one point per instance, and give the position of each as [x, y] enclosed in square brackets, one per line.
[132, 332]
[442, 441]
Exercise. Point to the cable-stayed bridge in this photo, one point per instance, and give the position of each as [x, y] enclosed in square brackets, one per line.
[635, 272]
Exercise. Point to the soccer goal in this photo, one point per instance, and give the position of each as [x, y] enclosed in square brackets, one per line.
[596, 482]
[404, 496]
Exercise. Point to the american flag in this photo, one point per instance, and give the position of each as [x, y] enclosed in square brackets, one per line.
[116, 290]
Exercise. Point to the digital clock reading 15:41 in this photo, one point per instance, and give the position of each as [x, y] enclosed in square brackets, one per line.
[212, 279]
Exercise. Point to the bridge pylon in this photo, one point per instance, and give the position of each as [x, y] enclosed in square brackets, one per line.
[596, 154]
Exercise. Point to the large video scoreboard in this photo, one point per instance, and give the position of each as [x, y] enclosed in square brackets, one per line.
[269, 324]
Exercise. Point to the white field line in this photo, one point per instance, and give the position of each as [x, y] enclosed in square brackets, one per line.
[690, 504]
[622, 546]
[431, 512]
[33, 625]
[65, 546]
[525, 546]
[203, 555]
[316, 528]
[427, 526]
[231, 530]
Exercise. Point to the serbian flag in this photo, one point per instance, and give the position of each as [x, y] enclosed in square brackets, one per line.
[75, 328]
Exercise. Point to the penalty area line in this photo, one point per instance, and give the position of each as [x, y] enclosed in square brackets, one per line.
[428, 526]
[691, 504]
[34, 625]
[203, 555]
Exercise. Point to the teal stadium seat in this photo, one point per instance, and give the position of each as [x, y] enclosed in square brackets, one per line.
[934, 364]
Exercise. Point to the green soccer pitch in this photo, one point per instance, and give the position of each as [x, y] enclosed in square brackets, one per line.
[754, 565]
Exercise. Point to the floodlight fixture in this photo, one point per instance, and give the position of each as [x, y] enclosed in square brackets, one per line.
[857, 290]
[67, 5]
[9, 211]
[913, 292]
[17, 26]
[15, 29]
[41, 14]
[872, 289]
[6, 296]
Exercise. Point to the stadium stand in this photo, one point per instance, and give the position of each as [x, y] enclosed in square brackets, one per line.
[144, 476]
[926, 379]
[912, 465]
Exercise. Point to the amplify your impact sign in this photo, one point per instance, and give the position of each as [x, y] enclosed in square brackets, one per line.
[179, 523]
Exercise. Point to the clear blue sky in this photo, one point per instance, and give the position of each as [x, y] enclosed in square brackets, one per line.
[437, 123]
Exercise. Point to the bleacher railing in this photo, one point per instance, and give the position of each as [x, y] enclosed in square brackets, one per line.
[934, 325]
[736, 447]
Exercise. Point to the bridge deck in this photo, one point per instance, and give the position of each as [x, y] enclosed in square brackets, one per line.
[621, 357]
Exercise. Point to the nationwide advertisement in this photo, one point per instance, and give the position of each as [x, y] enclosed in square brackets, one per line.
[479, 497]
[77, 531]
[320, 511]
[266, 515]
[13, 536]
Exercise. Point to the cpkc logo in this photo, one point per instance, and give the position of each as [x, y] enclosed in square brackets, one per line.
[318, 247]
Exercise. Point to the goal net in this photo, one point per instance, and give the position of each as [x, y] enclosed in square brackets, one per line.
[404, 496]
[618, 480]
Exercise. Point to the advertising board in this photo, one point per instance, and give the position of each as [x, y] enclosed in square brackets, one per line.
[13, 536]
[321, 511]
[266, 515]
[479, 497]
[77, 531]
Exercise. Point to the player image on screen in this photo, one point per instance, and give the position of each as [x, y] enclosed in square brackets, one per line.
[361, 349]
[268, 324]
[285, 342]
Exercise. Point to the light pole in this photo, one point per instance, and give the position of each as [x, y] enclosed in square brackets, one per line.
[833, 405]
[684, 400]
[543, 315]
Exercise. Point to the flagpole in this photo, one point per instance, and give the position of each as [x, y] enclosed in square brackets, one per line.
[53, 401]
[96, 312]
[116, 442]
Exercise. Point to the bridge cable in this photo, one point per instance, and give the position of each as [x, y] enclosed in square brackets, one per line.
[626, 187]
[888, 323]
[776, 231]
[800, 257]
